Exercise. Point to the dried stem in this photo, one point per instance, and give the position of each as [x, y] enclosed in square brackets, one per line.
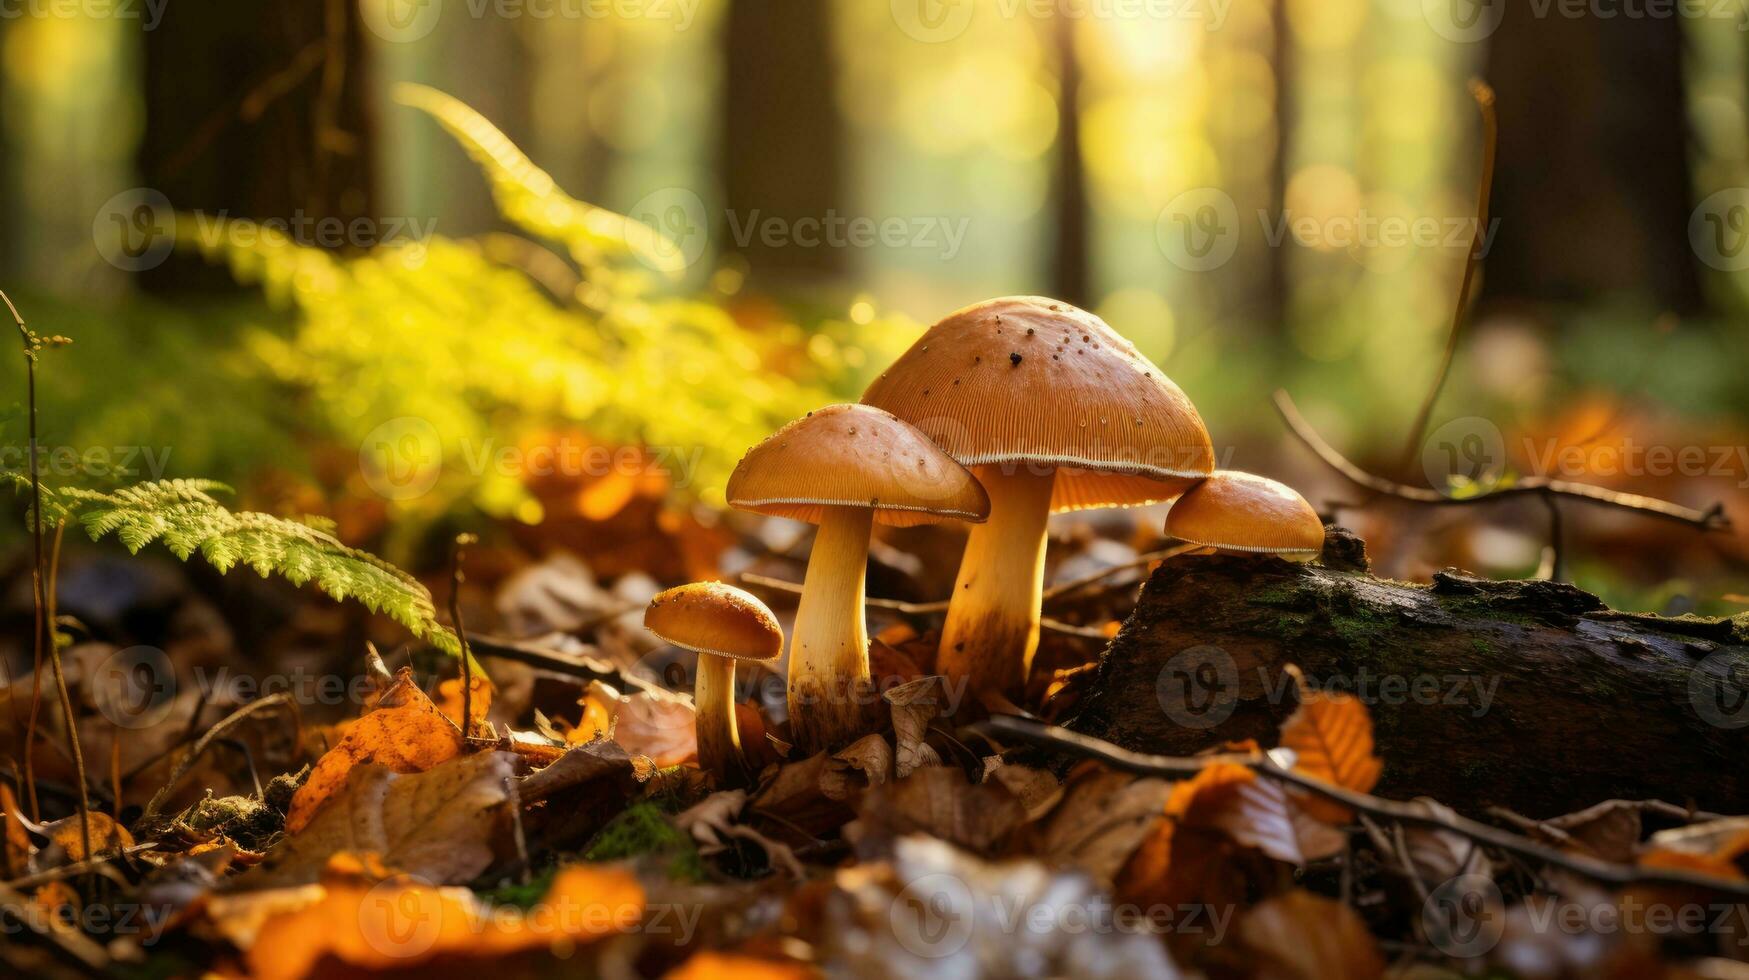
[1604, 872]
[1484, 97]
[461, 632]
[230, 721]
[44, 638]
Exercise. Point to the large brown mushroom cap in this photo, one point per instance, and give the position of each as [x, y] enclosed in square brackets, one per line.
[1031, 381]
[855, 456]
[713, 618]
[1237, 511]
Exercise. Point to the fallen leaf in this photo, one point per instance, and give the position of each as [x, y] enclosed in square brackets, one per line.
[599, 703]
[866, 762]
[401, 921]
[18, 849]
[940, 801]
[406, 733]
[914, 705]
[449, 699]
[440, 825]
[1434, 855]
[1610, 830]
[662, 728]
[1302, 936]
[600, 759]
[729, 966]
[713, 821]
[1037, 790]
[1103, 817]
[67, 839]
[1331, 736]
[1712, 848]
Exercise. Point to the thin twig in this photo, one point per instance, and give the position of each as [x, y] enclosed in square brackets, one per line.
[461, 632]
[1141, 561]
[1711, 519]
[44, 628]
[920, 608]
[230, 721]
[77, 868]
[1604, 872]
[1484, 97]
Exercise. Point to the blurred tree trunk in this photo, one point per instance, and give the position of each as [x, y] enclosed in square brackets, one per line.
[1277, 282]
[257, 111]
[782, 148]
[1069, 263]
[1593, 189]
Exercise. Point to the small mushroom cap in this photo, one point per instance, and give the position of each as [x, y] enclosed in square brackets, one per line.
[1242, 512]
[855, 456]
[710, 617]
[1027, 380]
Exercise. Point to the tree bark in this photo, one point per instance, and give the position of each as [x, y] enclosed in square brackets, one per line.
[257, 113]
[1593, 190]
[1069, 262]
[782, 145]
[1530, 695]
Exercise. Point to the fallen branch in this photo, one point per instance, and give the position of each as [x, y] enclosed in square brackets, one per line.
[1711, 519]
[1604, 872]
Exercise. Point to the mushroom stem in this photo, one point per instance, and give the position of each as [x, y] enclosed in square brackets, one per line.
[719, 741]
[828, 655]
[992, 620]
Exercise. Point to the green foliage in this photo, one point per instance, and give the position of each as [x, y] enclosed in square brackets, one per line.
[645, 829]
[184, 516]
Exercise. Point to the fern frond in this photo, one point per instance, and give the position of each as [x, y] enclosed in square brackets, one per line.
[529, 197]
[184, 516]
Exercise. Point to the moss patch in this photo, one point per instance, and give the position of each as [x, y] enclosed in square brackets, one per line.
[644, 829]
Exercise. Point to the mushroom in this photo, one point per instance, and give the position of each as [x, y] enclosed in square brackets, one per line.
[1234, 511]
[722, 624]
[1054, 411]
[845, 468]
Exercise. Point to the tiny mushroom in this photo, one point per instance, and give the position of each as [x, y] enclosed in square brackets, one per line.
[1055, 411]
[722, 624]
[1233, 511]
[845, 468]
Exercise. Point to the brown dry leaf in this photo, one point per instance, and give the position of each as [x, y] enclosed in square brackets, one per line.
[866, 762]
[440, 825]
[47, 903]
[1713, 848]
[1437, 855]
[1212, 819]
[914, 705]
[1104, 816]
[662, 728]
[1301, 936]
[1610, 830]
[18, 850]
[1037, 790]
[729, 966]
[401, 922]
[67, 840]
[600, 759]
[1331, 737]
[449, 699]
[939, 801]
[791, 799]
[406, 733]
[715, 819]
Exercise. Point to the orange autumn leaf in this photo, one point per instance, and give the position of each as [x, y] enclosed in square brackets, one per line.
[405, 734]
[399, 922]
[599, 705]
[1710, 849]
[1331, 736]
[1210, 817]
[17, 845]
[48, 902]
[731, 966]
[449, 699]
[106, 835]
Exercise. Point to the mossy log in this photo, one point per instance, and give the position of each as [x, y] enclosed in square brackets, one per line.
[1526, 694]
